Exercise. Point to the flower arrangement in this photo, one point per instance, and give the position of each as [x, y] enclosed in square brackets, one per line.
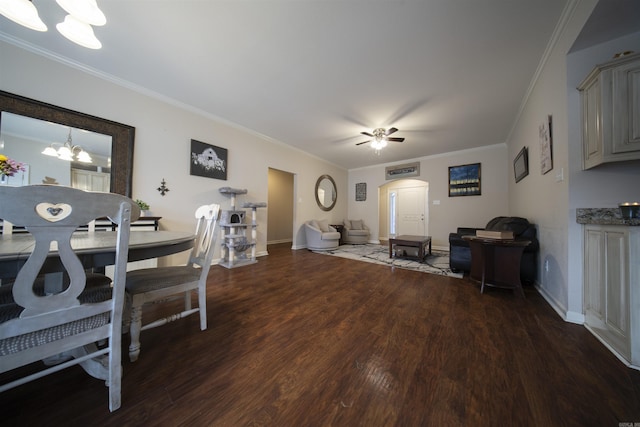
[9, 166]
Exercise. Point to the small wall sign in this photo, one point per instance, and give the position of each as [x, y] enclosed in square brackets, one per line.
[402, 171]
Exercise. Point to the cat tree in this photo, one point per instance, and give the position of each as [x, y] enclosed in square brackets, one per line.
[235, 244]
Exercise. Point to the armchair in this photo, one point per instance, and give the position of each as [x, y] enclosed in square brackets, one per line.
[320, 235]
[460, 252]
[355, 232]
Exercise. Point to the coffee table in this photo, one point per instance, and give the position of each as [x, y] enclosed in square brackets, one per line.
[423, 243]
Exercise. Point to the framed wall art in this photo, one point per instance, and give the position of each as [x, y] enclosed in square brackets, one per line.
[464, 180]
[361, 192]
[521, 164]
[545, 136]
[208, 160]
[402, 171]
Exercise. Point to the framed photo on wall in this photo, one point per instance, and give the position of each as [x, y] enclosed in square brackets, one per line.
[361, 192]
[208, 160]
[546, 145]
[464, 180]
[521, 164]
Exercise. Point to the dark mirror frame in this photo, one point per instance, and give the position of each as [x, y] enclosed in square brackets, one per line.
[122, 136]
[335, 188]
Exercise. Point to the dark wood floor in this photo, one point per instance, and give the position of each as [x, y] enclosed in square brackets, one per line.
[302, 339]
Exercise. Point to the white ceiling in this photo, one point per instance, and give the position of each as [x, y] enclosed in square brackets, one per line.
[450, 74]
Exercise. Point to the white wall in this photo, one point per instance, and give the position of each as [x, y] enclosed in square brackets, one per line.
[452, 212]
[551, 200]
[162, 145]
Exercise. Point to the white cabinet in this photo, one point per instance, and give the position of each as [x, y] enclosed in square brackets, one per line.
[610, 97]
[612, 287]
[90, 181]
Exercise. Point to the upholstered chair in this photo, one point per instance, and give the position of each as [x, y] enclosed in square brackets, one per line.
[321, 236]
[355, 232]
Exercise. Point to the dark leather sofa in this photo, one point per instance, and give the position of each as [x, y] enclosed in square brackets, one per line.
[460, 253]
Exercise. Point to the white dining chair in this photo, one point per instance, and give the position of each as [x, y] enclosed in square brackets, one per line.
[64, 324]
[153, 285]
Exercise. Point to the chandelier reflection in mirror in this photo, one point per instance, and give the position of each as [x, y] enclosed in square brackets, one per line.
[68, 151]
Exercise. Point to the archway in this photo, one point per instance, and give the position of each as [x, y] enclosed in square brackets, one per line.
[403, 208]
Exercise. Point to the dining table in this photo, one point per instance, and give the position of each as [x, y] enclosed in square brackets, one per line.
[94, 249]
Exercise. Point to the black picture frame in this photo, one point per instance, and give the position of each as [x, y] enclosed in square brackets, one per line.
[208, 160]
[465, 180]
[361, 192]
[521, 164]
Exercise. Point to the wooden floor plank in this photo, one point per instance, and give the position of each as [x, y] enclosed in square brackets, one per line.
[302, 339]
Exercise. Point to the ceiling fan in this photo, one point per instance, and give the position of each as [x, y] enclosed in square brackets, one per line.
[380, 137]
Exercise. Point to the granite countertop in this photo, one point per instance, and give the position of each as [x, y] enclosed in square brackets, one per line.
[603, 216]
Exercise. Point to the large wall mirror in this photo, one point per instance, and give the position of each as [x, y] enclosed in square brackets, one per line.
[326, 193]
[27, 127]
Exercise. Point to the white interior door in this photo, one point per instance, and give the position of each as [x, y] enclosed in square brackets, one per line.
[411, 211]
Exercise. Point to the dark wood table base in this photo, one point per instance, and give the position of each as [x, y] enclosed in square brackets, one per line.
[422, 243]
[496, 262]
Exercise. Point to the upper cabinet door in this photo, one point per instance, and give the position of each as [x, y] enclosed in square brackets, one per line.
[626, 107]
[610, 97]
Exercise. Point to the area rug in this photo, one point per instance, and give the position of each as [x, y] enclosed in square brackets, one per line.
[436, 263]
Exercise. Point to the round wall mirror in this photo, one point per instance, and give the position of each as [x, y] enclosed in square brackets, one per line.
[326, 192]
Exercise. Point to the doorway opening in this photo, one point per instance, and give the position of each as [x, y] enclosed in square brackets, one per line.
[280, 198]
[404, 208]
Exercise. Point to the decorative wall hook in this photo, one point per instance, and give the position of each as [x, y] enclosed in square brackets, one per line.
[163, 187]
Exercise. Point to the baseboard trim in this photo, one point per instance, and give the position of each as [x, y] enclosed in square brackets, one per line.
[276, 242]
[611, 349]
[567, 316]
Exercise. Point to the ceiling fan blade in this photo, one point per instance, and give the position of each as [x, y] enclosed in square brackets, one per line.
[367, 133]
[390, 131]
[395, 139]
[360, 143]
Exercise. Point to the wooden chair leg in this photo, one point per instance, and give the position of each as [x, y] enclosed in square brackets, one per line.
[134, 332]
[202, 305]
[187, 300]
[115, 381]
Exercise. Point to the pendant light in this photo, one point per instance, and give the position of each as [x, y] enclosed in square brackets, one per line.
[78, 32]
[67, 151]
[22, 12]
[84, 10]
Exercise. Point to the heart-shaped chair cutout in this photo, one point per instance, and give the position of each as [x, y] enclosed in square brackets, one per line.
[53, 212]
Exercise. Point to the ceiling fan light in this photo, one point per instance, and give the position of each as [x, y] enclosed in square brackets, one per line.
[378, 144]
[22, 12]
[84, 10]
[78, 32]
